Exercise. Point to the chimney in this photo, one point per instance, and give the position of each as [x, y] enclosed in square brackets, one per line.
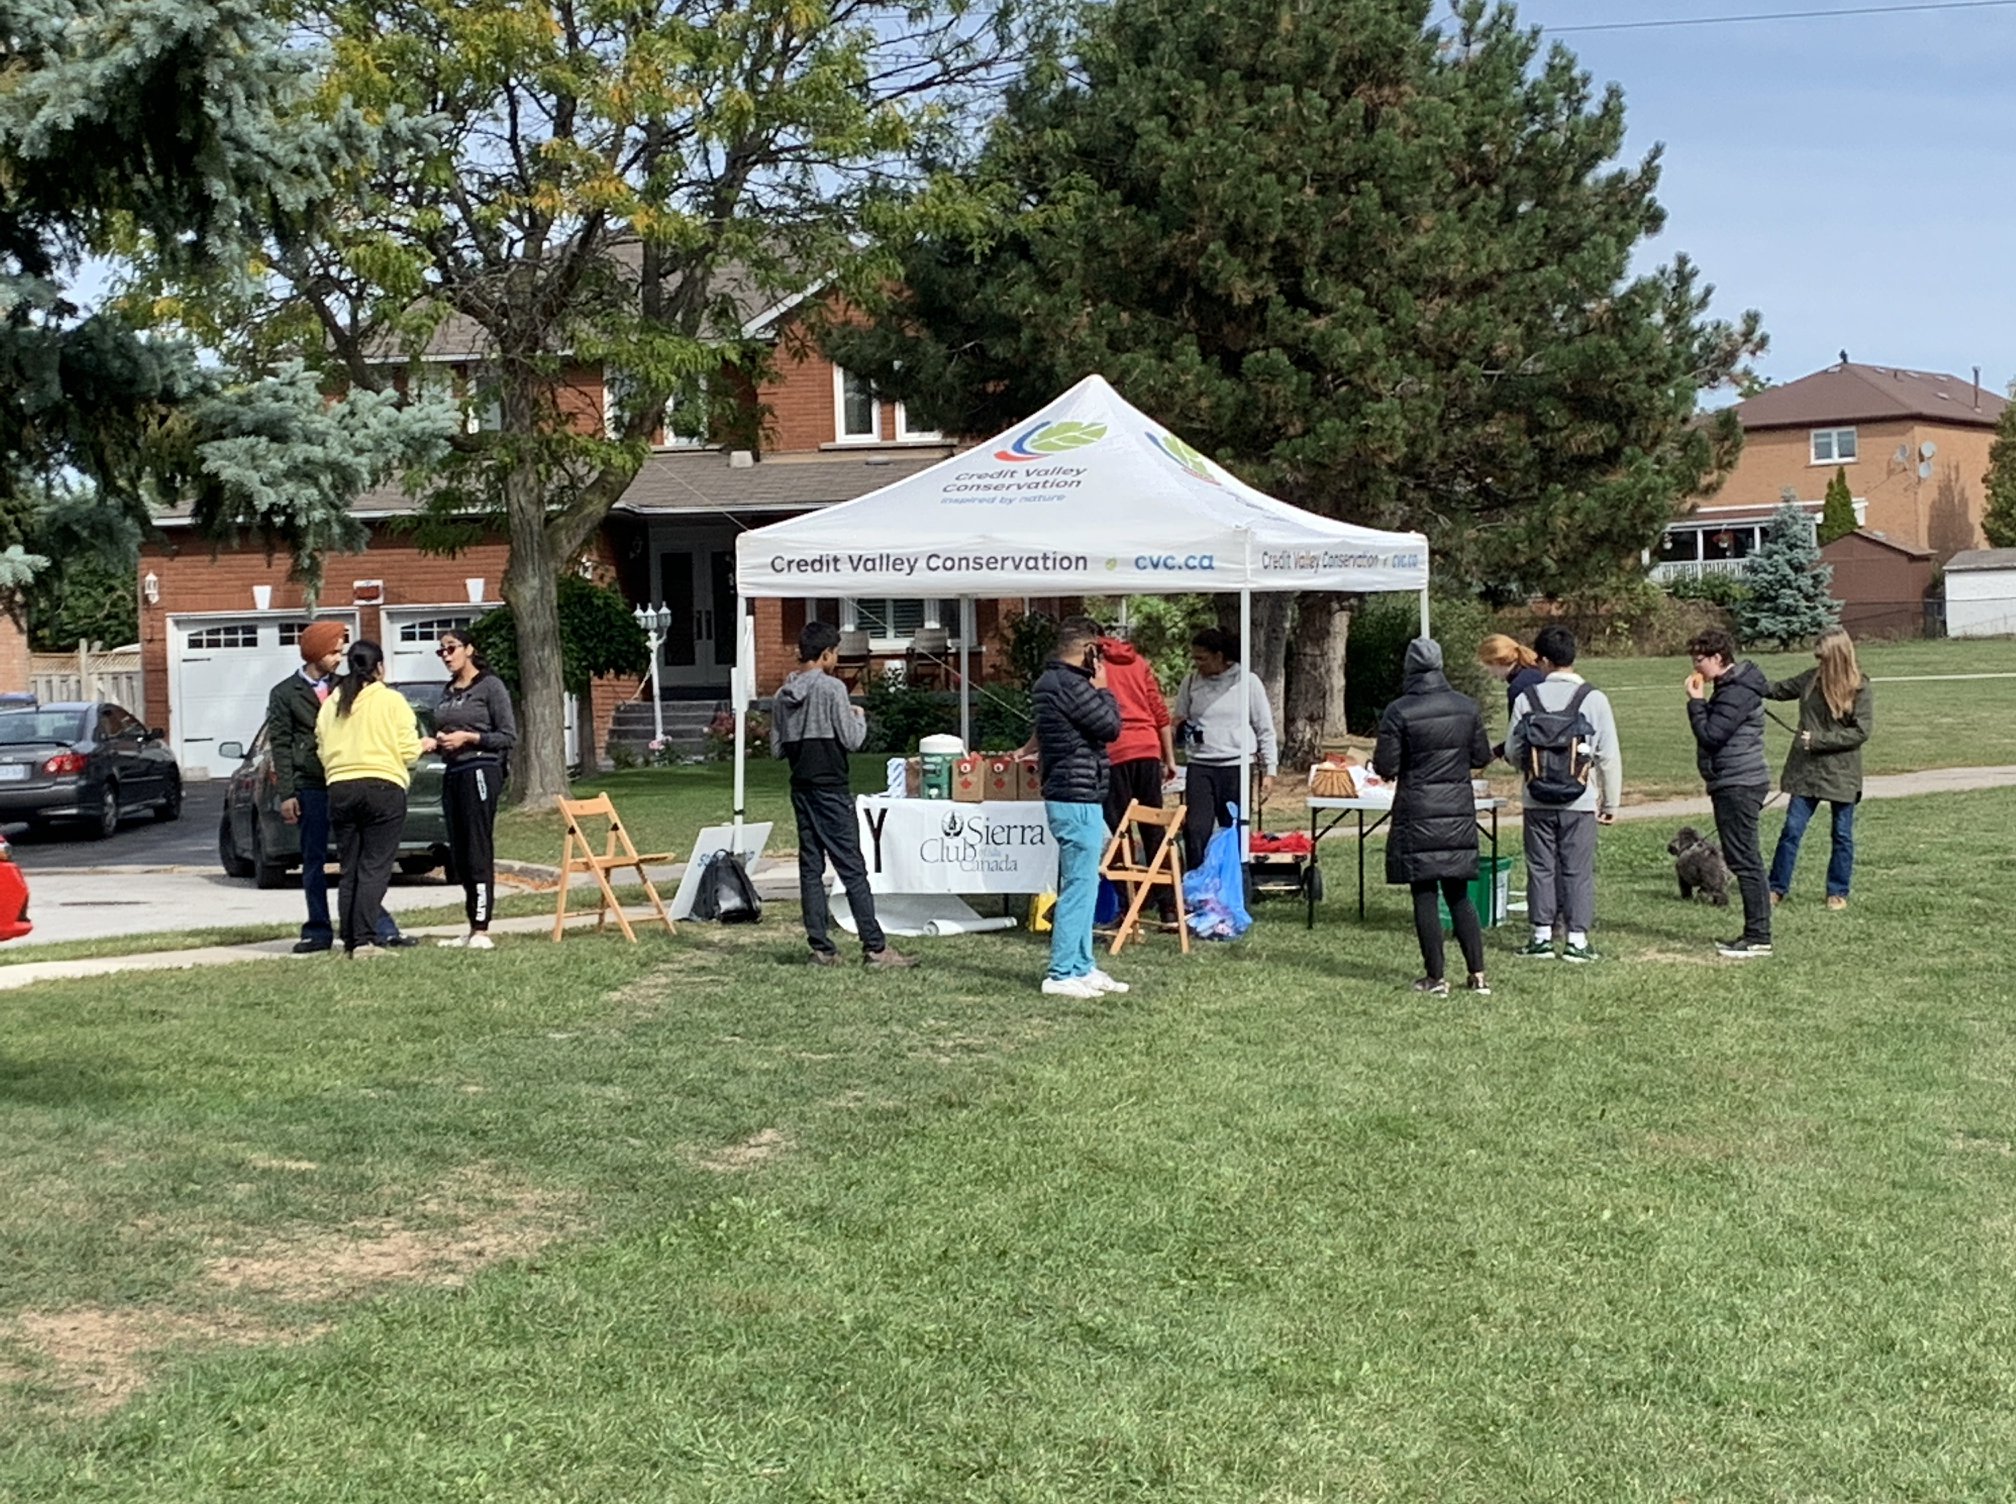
[740, 459]
[1977, 389]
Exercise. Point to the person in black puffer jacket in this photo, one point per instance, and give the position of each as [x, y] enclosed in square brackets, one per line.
[1429, 741]
[1076, 716]
[1729, 751]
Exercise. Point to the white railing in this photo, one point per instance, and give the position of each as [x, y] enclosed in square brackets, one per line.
[106, 674]
[1696, 569]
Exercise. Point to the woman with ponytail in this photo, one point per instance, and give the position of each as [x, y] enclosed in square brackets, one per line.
[1516, 665]
[368, 741]
[1837, 711]
[475, 730]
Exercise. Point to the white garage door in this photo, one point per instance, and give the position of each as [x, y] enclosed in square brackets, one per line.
[220, 671]
[413, 637]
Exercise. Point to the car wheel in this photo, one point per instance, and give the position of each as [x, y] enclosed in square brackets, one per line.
[170, 807]
[227, 850]
[107, 820]
[418, 866]
[264, 873]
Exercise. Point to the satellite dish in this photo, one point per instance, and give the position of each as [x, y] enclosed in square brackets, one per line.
[1927, 449]
[1903, 455]
[1925, 471]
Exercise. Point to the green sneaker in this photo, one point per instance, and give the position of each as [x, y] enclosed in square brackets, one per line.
[1539, 950]
[1580, 954]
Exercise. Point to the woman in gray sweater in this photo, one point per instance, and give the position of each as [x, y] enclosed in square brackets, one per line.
[473, 729]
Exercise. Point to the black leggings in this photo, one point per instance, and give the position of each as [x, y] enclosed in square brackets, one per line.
[1455, 891]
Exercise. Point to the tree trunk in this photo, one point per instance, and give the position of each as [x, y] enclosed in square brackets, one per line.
[531, 585]
[1315, 677]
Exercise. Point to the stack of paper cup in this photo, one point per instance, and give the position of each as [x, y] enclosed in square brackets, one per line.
[899, 778]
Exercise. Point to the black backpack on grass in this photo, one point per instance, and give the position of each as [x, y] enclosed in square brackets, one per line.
[1558, 759]
[726, 895]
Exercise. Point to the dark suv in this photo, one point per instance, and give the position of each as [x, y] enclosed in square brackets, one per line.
[253, 841]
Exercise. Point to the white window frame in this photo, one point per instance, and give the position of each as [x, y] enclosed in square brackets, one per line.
[907, 434]
[1833, 437]
[667, 438]
[409, 631]
[840, 434]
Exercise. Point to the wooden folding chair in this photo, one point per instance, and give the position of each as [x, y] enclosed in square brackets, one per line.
[617, 854]
[1122, 864]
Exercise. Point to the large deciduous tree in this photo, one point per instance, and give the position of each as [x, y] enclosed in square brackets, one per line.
[612, 184]
[1380, 267]
[1998, 516]
[175, 127]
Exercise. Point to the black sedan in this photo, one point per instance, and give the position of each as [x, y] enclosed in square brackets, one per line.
[87, 761]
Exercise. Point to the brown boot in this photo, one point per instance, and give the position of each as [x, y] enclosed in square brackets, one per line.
[886, 959]
[825, 958]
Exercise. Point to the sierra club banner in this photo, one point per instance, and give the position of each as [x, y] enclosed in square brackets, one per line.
[937, 846]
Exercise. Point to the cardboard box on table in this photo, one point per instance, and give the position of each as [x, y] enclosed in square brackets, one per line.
[1004, 777]
[969, 780]
[1028, 778]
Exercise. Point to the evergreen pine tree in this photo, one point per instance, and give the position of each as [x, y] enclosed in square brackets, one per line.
[1838, 520]
[1789, 600]
[1998, 519]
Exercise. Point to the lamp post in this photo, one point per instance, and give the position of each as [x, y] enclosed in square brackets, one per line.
[656, 621]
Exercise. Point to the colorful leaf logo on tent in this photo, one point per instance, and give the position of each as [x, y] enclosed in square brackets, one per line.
[1045, 439]
[1192, 462]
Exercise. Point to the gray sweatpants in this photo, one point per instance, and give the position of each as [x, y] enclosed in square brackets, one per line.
[1561, 868]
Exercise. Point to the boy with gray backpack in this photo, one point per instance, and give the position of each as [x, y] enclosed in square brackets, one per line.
[1563, 741]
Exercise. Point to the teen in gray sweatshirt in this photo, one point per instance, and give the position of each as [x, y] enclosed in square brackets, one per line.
[1223, 713]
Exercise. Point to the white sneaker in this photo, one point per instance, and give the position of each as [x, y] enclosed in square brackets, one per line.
[455, 944]
[1104, 983]
[479, 941]
[1078, 987]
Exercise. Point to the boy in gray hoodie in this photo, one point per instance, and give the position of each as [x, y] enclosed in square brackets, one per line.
[815, 726]
[1561, 838]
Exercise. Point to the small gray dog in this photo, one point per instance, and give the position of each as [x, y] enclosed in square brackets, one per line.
[1698, 863]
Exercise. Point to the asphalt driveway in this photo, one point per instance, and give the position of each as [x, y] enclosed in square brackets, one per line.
[141, 841]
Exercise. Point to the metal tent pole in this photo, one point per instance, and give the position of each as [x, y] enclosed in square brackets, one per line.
[1424, 610]
[965, 671]
[745, 686]
[1246, 670]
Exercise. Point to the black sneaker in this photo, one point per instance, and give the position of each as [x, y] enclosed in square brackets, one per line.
[1743, 950]
[1432, 987]
[312, 947]
[399, 942]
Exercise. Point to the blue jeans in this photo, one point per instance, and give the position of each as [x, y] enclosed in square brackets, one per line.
[1840, 861]
[1080, 833]
[314, 830]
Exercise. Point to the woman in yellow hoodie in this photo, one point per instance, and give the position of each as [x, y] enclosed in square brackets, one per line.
[368, 741]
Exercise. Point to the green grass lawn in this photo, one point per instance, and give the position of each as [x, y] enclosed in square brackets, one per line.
[690, 1221]
[1929, 723]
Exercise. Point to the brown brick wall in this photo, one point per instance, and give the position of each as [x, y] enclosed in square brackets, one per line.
[15, 667]
[1941, 512]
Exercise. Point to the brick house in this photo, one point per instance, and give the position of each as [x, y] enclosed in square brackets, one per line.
[1914, 445]
[219, 625]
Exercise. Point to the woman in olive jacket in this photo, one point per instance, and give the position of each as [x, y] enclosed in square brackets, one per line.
[1429, 740]
[1837, 711]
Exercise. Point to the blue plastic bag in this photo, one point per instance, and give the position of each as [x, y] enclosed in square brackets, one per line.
[1215, 893]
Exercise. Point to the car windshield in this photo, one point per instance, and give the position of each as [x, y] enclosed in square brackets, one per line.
[21, 727]
[423, 698]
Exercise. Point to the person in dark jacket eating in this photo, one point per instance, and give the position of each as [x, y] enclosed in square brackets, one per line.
[1429, 741]
[1729, 751]
[474, 731]
[1076, 716]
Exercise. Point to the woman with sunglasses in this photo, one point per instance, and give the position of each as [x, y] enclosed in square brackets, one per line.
[473, 729]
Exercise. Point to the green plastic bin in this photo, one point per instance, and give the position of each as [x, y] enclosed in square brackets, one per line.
[1490, 892]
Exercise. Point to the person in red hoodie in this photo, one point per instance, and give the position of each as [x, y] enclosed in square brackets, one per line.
[1143, 755]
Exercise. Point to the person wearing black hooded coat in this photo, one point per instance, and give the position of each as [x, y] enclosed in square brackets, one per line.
[1430, 740]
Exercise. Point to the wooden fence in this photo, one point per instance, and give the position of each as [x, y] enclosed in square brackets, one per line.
[88, 674]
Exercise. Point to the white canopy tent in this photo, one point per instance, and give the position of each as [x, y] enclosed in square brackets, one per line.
[1087, 497]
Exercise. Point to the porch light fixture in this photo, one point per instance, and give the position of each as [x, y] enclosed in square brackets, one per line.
[150, 588]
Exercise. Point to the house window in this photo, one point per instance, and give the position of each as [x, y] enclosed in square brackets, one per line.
[1680, 545]
[430, 627]
[213, 638]
[683, 425]
[905, 431]
[890, 622]
[1833, 446]
[857, 414]
[290, 631]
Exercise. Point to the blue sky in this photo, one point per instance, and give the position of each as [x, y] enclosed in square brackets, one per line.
[1849, 177]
